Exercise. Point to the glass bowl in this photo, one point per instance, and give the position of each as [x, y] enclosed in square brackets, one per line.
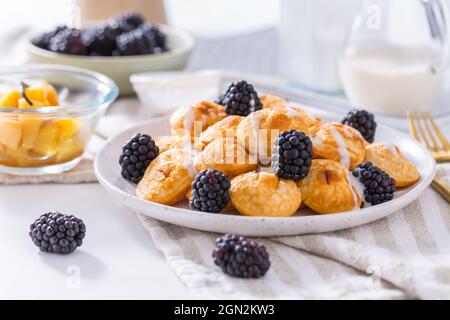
[49, 139]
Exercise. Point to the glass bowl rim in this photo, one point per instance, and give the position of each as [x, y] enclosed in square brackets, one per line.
[74, 108]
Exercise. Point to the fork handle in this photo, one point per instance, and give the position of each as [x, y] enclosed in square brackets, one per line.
[442, 188]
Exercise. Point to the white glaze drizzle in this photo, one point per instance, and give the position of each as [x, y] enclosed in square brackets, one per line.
[189, 163]
[256, 119]
[342, 147]
[357, 189]
[392, 148]
[264, 169]
[291, 110]
[316, 140]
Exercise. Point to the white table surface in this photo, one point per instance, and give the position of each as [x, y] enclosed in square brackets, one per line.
[118, 259]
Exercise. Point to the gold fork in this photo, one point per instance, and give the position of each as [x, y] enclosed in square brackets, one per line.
[424, 129]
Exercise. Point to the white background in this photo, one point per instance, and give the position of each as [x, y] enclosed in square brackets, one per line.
[206, 18]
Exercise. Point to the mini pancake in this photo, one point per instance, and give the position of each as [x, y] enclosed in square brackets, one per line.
[166, 179]
[338, 142]
[165, 143]
[225, 128]
[196, 119]
[270, 101]
[327, 188]
[226, 155]
[264, 194]
[259, 130]
[389, 158]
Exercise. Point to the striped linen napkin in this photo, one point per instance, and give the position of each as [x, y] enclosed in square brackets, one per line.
[403, 256]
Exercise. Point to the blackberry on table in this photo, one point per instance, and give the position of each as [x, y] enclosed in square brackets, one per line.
[240, 257]
[240, 99]
[292, 155]
[43, 40]
[363, 121]
[136, 156]
[68, 41]
[210, 191]
[55, 232]
[379, 187]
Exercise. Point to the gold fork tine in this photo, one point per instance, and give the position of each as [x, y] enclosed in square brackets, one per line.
[430, 131]
[421, 131]
[440, 154]
[412, 127]
[439, 133]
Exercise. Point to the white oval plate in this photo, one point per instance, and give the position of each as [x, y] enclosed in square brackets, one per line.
[107, 170]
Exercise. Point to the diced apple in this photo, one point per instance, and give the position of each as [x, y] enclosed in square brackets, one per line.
[69, 150]
[31, 124]
[23, 104]
[10, 99]
[51, 94]
[68, 128]
[46, 142]
[30, 131]
[10, 133]
[37, 94]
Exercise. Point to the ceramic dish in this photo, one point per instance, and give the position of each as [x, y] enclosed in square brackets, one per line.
[107, 170]
[120, 69]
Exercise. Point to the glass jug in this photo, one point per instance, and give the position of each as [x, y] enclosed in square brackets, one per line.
[396, 55]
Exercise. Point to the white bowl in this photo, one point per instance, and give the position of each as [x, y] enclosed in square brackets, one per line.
[107, 171]
[119, 69]
[163, 92]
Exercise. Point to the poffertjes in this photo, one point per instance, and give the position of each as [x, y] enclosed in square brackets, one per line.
[387, 157]
[327, 188]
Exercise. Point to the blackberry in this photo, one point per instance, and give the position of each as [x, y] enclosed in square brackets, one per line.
[43, 40]
[57, 233]
[68, 41]
[292, 155]
[128, 20]
[101, 40]
[362, 121]
[156, 37]
[240, 257]
[210, 191]
[143, 40]
[379, 187]
[136, 155]
[240, 99]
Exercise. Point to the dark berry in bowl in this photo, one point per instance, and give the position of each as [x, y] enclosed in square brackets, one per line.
[143, 40]
[68, 41]
[43, 41]
[240, 257]
[101, 40]
[240, 99]
[128, 20]
[363, 121]
[136, 156]
[210, 191]
[292, 155]
[55, 232]
[379, 187]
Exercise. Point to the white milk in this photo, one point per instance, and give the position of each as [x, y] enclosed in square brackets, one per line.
[390, 79]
